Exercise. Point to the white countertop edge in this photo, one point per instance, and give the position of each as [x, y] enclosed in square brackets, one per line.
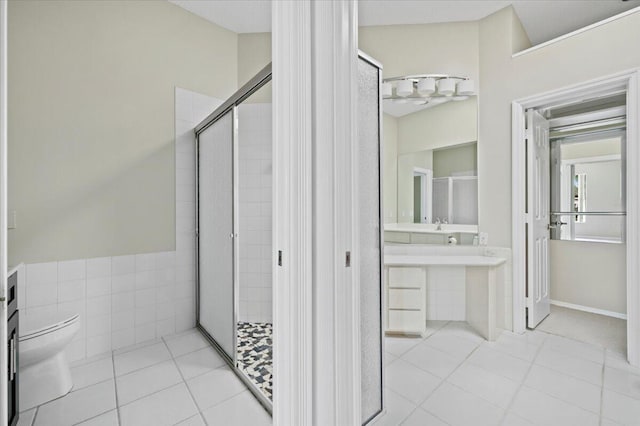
[406, 260]
[430, 229]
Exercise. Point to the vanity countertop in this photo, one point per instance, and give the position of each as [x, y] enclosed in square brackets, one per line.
[429, 228]
[422, 260]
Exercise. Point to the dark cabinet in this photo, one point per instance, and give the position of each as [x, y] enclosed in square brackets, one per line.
[12, 349]
[12, 379]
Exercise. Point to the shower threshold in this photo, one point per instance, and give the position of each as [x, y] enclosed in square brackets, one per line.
[255, 354]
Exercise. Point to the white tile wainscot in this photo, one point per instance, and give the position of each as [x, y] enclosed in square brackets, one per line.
[477, 283]
[121, 300]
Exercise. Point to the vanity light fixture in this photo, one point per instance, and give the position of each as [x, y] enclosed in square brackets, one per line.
[466, 88]
[404, 88]
[387, 90]
[446, 86]
[427, 86]
[432, 89]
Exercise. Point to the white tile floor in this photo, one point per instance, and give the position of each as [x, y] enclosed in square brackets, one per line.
[586, 327]
[177, 380]
[454, 377]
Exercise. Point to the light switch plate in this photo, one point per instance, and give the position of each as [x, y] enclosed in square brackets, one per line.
[12, 220]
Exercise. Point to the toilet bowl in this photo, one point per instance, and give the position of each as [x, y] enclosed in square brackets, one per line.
[44, 370]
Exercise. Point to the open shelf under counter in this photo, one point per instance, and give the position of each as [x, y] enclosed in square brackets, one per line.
[476, 281]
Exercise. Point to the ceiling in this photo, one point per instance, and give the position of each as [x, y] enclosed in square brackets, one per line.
[542, 19]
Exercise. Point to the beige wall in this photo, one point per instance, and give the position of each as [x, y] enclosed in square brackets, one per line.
[594, 148]
[448, 124]
[455, 160]
[589, 274]
[582, 57]
[390, 167]
[448, 48]
[91, 121]
[254, 53]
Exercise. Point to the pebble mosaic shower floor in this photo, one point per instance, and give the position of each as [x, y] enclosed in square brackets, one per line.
[255, 354]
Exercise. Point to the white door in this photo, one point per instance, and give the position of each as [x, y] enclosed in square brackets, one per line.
[538, 198]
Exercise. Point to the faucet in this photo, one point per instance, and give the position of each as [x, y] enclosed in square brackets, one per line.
[438, 224]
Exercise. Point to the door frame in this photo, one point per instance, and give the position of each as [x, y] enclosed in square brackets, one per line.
[627, 81]
[316, 333]
[3, 210]
[426, 179]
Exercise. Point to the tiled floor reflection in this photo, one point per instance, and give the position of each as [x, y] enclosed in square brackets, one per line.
[176, 380]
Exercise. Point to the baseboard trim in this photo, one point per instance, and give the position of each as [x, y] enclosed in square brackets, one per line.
[588, 309]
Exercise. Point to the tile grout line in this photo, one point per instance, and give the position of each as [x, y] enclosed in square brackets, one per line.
[562, 399]
[454, 385]
[186, 385]
[443, 380]
[93, 417]
[246, 389]
[115, 387]
[422, 340]
[524, 378]
[157, 363]
[33, 421]
[604, 362]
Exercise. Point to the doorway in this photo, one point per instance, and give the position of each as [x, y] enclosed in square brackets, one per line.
[573, 271]
[422, 195]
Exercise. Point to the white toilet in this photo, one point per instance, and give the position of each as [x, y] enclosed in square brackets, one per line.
[44, 370]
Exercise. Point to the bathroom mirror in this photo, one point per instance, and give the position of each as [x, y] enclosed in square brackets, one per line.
[437, 179]
[439, 185]
[587, 190]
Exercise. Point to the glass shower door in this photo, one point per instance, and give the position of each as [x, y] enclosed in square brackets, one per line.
[216, 233]
[370, 237]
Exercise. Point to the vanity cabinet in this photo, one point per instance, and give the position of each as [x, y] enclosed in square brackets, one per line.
[12, 349]
[483, 297]
[406, 300]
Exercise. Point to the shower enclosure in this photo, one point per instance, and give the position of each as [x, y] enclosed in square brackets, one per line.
[234, 162]
[234, 234]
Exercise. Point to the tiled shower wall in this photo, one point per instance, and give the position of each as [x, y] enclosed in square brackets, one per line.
[255, 173]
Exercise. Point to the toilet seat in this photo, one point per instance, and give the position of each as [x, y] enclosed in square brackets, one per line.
[32, 326]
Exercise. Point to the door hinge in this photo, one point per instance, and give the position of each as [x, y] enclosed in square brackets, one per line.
[279, 257]
[347, 261]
